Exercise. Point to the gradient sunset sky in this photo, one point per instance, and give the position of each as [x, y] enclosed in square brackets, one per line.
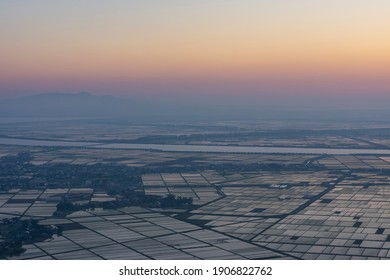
[189, 48]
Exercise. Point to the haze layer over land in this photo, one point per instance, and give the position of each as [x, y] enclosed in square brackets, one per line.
[88, 105]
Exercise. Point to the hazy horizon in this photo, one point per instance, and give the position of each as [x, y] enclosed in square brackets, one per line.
[297, 101]
[327, 54]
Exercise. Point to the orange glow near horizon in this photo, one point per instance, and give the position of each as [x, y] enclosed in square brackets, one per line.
[149, 42]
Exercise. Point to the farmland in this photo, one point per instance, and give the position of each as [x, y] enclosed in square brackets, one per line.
[243, 205]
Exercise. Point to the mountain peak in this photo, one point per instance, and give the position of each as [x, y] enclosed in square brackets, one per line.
[85, 93]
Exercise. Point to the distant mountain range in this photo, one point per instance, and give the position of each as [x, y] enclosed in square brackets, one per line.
[87, 105]
[82, 104]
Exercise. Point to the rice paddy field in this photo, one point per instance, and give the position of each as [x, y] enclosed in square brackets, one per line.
[244, 205]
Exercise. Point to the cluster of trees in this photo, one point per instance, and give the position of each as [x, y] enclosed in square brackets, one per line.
[16, 232]
[171, 201]
[18, 170]
[126, 199]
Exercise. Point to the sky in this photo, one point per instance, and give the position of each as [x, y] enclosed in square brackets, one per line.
[252, 50]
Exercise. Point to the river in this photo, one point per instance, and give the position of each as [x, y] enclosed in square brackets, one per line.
[195, 148]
